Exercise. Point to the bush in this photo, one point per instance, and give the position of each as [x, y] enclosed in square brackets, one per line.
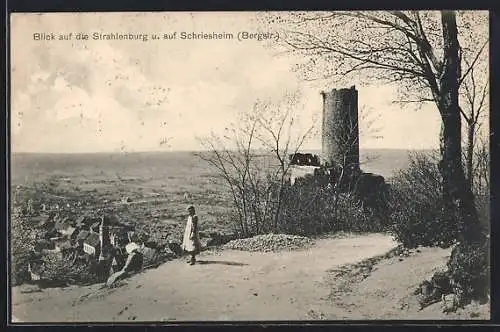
[353, 217]
[482, 203]
[469, 269]
[415, 202]
[66, 269]
[155, 256]
[310, 209]
[22, 240]
[306, 210]
[19, 268]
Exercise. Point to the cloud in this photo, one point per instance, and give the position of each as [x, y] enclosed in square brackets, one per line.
[101, 95]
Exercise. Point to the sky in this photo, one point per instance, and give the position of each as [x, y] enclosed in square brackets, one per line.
[75, 96]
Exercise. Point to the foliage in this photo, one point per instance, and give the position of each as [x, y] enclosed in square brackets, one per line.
[22, 240]
[482, 203]
[155, 256]
[256, 183]
[312, 209]
[401, 47]
[416, 203]
[307, 210]
[481, 169]
[481, 182]
[68, 269]
[469, 269]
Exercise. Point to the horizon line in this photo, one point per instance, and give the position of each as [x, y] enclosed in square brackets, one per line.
[186, 151]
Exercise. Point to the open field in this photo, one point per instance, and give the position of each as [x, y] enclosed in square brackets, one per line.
[157, 183]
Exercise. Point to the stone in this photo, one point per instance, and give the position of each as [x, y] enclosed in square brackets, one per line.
[204, 243]
[175, 247]
[269, 242]
[449, 302]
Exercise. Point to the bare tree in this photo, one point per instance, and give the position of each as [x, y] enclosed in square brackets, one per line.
[481, 168]
[369, 128]
[252, 159]
[474, 108]
[277, 124]
[421, 53]
[234, 167]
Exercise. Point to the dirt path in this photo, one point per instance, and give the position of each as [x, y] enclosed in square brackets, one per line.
[225, 285]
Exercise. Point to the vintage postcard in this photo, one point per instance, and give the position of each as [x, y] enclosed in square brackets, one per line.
[249, 166]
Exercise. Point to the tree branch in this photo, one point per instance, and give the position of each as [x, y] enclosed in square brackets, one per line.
[471, 66]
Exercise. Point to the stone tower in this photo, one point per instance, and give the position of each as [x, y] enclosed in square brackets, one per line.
[340, 132]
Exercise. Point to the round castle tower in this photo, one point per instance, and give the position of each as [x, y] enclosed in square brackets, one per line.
[340, 132]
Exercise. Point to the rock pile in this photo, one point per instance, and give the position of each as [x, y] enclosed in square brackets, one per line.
[270, 242]
[218, 239]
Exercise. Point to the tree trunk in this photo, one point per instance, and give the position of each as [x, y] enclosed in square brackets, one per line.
[457, 194]
[277, 214]
[458, 200]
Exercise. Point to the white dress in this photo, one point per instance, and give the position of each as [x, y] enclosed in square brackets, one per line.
[191, 245]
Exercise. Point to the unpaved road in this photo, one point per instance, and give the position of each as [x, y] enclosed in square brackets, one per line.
[225, 285]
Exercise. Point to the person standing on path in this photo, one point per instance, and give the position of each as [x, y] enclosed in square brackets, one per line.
[191, 241]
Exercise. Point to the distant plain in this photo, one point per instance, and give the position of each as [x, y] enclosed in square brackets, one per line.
[160, 184]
